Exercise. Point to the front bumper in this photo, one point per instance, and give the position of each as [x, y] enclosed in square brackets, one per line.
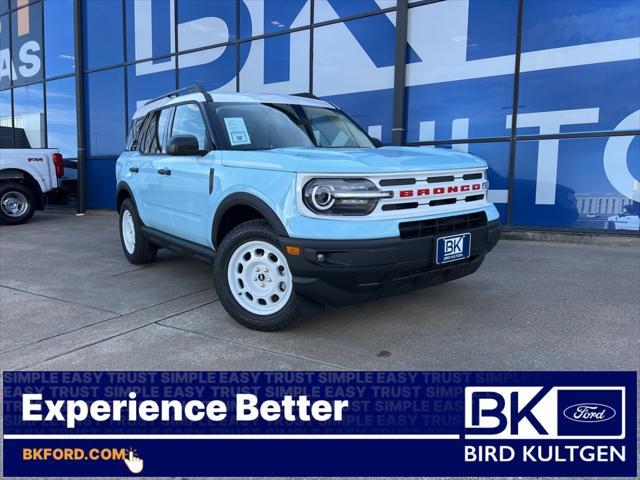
[355, 271]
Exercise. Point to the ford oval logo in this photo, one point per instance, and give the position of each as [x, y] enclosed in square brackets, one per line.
[589, 412]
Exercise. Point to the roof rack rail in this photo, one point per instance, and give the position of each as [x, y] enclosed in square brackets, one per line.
[314, 97]
[183, 91]
[305, 95]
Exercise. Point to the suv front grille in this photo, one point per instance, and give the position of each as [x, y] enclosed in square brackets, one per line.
[439, 226]
[430, 192]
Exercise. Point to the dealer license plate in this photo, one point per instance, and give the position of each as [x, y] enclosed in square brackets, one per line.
[453, 247]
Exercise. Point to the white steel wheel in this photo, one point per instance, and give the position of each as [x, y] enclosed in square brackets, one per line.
[259, 277]
[14, 204]
[128, 231]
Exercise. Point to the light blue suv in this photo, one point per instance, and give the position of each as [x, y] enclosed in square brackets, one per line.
[295, 205]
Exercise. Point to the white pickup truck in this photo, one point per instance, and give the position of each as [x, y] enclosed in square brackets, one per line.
[26, 174]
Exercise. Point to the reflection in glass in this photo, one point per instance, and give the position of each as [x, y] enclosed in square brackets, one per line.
[549, 30]
[278, 64]
[331, 9]
[5, 80]
[26, 44]
[357, 56]
[142, 88]
[102, 31]
[590, 183]
[463, 85]
[61, 116]
[204, 23]
[5, 107]
[150, 31]
[28, 116]
[549, 24]
[104, 110]
[589, 80]
[6, 120]
[351, 56]
[58, 37]
[213, 68]
[257, 18]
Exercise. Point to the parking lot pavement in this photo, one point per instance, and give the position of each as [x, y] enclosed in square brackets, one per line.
[70, 300]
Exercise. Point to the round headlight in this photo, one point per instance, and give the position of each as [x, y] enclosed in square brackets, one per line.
[342, 196]
[322, 197]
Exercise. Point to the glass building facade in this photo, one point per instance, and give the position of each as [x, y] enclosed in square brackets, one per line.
[547, 91]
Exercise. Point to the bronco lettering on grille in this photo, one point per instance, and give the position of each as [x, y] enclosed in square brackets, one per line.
[425, 192]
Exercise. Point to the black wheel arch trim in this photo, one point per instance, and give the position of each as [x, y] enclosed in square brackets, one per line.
[248, 200]
[123, 186]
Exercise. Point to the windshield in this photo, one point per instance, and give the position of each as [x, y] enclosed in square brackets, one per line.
[263, 126]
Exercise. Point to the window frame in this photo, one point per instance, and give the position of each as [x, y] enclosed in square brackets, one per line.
[209, 142]
[137, 123]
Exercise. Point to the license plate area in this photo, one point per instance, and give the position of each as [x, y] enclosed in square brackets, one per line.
[453, 248]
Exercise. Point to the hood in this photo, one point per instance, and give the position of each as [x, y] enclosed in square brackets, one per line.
[355, 160]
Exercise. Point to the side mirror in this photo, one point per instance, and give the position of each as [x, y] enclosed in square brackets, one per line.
[376, 142]
[183, 145]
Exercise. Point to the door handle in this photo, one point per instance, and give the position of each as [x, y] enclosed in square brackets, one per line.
[134, 169]
[164, 171]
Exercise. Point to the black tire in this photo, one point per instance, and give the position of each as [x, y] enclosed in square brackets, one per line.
[142, 251]
[11, 192]
[254, 230]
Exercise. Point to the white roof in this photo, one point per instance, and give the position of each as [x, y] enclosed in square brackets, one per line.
[234, 97]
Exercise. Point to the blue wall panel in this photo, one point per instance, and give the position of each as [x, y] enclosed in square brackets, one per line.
[104, 107]
[585, 191]
[368, 109]
[102, 30]
[101, 183]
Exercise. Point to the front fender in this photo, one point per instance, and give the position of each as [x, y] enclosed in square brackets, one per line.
[250, 200]
[271, 193]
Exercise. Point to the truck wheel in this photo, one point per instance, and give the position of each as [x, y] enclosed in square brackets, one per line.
[252, 278]
[135, 247]
[17, 203]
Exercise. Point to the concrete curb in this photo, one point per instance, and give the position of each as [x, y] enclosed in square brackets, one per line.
[103, 213]
[579, 238]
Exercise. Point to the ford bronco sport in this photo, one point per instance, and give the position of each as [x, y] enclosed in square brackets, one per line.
[295, 205]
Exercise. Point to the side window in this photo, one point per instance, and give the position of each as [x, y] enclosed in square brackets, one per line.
[163, 120]
[133, 140]
[188, 121]
[149, 142]
[151, 132]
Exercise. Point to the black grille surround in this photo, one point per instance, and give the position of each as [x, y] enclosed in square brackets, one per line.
[439, 226]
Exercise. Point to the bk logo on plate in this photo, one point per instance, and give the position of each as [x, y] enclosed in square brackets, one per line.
[452, 248]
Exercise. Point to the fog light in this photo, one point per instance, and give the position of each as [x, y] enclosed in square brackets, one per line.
[320, 257]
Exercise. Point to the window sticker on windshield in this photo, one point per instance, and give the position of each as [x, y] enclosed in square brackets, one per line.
[237, 131]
